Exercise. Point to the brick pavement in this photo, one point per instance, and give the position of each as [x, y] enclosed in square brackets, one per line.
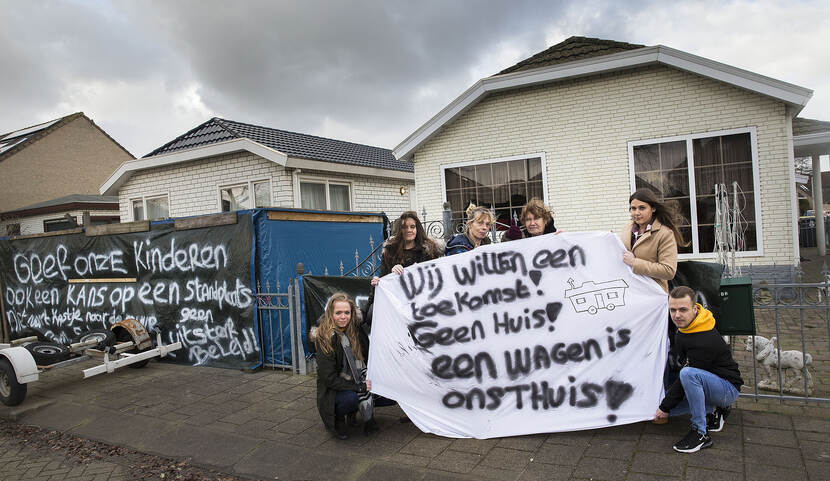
[265, 425]
[19, 462]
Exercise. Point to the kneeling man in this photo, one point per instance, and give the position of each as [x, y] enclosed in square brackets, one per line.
[709, 383]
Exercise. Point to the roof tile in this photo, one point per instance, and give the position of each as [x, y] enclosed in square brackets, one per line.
[290, 143]
[573, 48]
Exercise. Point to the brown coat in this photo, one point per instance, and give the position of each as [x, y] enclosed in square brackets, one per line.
[656, 253]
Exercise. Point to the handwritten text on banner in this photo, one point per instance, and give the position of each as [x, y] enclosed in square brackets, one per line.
[553, 333]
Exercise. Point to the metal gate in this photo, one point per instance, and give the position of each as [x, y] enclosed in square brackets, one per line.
[796, 317]
[280, 322]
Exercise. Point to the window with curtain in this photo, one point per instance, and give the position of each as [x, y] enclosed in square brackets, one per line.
[150, 208]
[664, 167]
[238, 197]
[325, 195]
[504, 185]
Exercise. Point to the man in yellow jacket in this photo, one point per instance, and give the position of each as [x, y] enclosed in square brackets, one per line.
[710, 381]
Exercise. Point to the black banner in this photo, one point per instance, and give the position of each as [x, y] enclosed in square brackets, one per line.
[193, 285]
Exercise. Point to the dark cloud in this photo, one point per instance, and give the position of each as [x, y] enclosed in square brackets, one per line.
[366, 71]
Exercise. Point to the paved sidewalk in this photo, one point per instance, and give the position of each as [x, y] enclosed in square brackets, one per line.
[265, 425]
[18, 461]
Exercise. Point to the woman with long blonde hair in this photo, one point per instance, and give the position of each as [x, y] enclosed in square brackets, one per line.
[342, 351]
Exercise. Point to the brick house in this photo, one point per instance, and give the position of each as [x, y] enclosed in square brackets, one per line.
[587, 121]
[49, 162]
[223, 165]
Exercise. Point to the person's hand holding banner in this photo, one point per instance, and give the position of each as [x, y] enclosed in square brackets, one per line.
[552, 333]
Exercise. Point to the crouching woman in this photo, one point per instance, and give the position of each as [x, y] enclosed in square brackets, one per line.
[342, 351]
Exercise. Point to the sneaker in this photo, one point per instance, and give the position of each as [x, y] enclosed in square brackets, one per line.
[693, 442]
[716, 420]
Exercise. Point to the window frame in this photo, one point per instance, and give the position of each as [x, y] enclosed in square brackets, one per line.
[325, 181]
[756, 188]
[250, 183]
[144, 200]
[539, 155]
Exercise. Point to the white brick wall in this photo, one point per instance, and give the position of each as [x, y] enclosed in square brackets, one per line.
[34, 224]
[193, 187]
[583, 127]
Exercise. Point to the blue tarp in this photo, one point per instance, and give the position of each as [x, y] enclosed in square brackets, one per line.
[320, 246]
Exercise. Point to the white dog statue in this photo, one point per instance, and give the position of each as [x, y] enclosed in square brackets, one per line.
[767, 354]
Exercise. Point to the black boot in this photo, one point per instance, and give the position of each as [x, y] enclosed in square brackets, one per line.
[340, 428]
[370, 426]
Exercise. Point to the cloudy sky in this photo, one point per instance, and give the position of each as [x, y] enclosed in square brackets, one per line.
[364, 71]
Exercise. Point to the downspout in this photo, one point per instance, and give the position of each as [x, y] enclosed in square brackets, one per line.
[788, 127]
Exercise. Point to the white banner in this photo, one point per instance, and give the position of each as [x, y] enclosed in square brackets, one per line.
[553, 333]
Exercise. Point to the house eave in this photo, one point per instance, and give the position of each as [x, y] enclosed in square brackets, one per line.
[659, 54]
[811, 144]
[126, 169]
[310, 164]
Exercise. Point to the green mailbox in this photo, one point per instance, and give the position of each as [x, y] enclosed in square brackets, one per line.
[736, 314]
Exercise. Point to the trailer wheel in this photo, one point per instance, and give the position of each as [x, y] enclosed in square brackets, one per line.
[105, 337]
[47, 353]
[123, 335]
[12, 392]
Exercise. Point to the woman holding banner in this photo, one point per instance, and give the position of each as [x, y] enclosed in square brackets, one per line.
[342, 351]
[409, 244]
[537, 218]
[479, 220]
[651, 238]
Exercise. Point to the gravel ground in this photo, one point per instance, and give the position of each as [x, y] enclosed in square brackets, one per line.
[32, 452]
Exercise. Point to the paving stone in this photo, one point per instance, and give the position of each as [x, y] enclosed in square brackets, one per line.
[294, 426]
[559, 454]
[624, 432]
[575, 438]
[773, 456]
[767, 420]
[811, 424]
[657, 463]
[523, 443]
[759, 472]
[651, 477]
[546, 472]
[385, 472]
[510, 459]
[722, 460]
[478, 446]
[489, 472]
[426, 446]
[768, 436]
[815, 451]
[818, 471]
[617, 449]
[657, 444]
[701, 474]
[409, 459]
[596, 468]
[455, 461]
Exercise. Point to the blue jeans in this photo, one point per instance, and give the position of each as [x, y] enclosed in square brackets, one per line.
[704, 391]
[345, 402]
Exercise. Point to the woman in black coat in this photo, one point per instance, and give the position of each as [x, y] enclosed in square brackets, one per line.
[338, 391]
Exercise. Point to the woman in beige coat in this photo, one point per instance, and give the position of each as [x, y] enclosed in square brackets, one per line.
[651, 238]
